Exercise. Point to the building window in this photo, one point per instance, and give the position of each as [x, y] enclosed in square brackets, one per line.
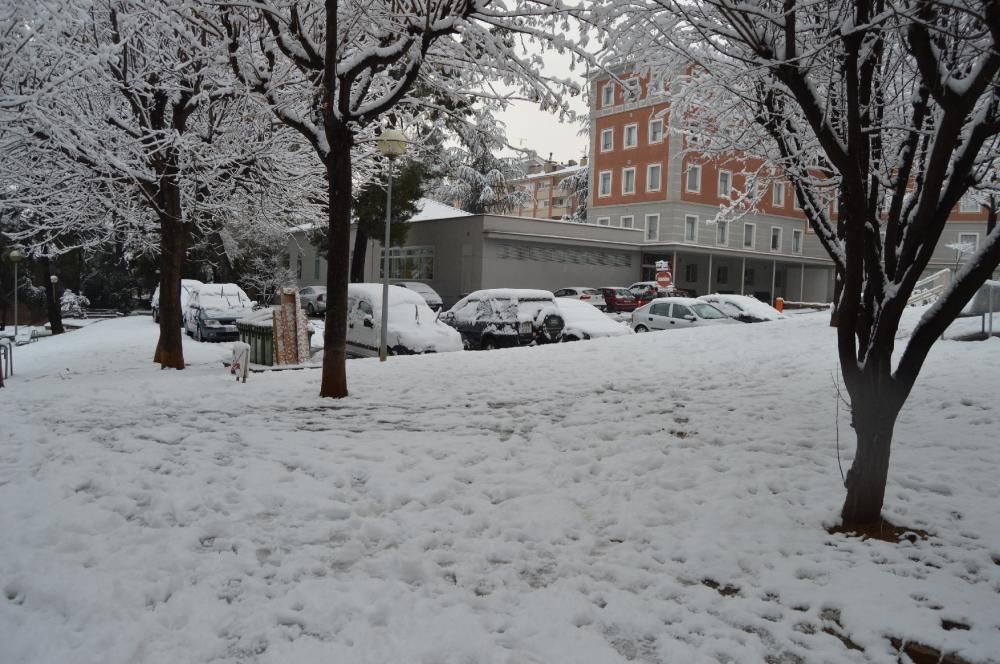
[722, 233]
[608, 95]
[604, 221]
[690, 228]
[630, 138]
[778, 195]
[691, 272]
[410, 263]
[544, 184]
[604, 187]
[722, 275]
[607, 140]
[652, 227]
[656, 131]
[775, 238]
[628, 181]
[725, 184]
[693, 181]
[796, 241]
[543, 203]
[749, 236]
[653, 173]
[628, 221]
[968, 204]
[967, 243]
[797, 201]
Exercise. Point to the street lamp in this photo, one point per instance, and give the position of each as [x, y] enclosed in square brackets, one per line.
[15, 256]
[391, 144]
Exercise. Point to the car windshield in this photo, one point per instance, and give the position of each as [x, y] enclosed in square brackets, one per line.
[706, 311]
[223, 301]
[728, 308]
[622, 292]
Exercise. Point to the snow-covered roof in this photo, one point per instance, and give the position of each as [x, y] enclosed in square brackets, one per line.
[562, 171]
[431, 210]
[397, 294]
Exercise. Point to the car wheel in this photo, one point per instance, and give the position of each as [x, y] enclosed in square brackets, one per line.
[310, 309]
[489, 344]
[641, 328]
[571, 338]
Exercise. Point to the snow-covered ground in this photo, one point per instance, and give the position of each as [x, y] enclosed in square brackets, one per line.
[656, 498]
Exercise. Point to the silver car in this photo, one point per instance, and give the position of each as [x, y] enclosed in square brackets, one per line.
[313, 299]
[671, 313]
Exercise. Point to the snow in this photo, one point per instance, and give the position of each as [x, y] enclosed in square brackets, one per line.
[747, 304]
[562, 503]
[583, 319]
[430, 210]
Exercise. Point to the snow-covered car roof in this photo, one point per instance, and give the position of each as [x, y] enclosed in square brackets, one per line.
[584, 318]
[397, 294]
[747, 304]
[583, 288]
[509, 294]
[677, 300]
[418, 286]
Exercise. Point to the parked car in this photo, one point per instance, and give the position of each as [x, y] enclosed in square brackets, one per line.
[617, 299]
[186, 286]
[669, 313]
[647, 291]
[213, 310]
[430, 296]
[583, 293]
[743, 307]
[313, 299]
[585, 321]
[413, 327]
[504, 317]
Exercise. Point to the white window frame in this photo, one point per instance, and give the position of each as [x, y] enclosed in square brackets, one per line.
[781, 233]
[692, 168]
[693, 240]
[970, 234]
[659, 178]
[634, 126]
[600, 182]
[631, 221]
[719, 225]
[968, 205]
[608, 95]
[778, 195]
[604, 221]
[610, 131]
[753, 235]
[797, 237]
[649, 135]
[625, 170]
[729, 174]
[657, 218]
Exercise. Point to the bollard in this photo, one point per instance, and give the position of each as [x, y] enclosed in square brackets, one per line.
[241, 361]
[779, 304]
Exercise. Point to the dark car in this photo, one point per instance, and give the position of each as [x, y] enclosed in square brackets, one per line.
[504, 317]
[617, 299]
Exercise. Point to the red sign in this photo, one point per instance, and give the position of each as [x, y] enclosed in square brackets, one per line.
[664, 279]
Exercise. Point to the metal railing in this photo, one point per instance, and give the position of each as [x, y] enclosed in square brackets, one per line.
[930, 288]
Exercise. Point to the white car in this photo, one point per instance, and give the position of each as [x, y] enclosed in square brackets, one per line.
[743, 307]
[583, 293]
[187, 285]
[413, 327]
[213, 310]
[585, 321]
[671, 313]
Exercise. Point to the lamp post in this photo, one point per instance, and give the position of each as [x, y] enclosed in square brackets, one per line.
[15, 256]
[55, 280]
[391, 144]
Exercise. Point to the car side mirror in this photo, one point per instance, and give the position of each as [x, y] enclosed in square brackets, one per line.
[691, 318]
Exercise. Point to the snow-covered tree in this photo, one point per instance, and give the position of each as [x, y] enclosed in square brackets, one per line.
[138, 98]
[890, 108]
[478, 179]
[578, 186]
[333, 70]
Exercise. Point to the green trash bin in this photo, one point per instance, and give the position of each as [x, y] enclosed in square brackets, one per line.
[257, 330]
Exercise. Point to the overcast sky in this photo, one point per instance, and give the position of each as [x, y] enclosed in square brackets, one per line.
[530, 128]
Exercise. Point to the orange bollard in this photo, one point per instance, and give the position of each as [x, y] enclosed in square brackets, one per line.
[779, 304]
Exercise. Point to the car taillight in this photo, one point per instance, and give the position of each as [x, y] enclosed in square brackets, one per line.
[584, 297]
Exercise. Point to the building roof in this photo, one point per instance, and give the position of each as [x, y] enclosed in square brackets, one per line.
[431, 210]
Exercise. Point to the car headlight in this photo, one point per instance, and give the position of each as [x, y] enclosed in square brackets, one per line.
[211, 322]
[525, 327]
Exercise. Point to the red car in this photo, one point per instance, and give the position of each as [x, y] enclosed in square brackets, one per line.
[617, 299]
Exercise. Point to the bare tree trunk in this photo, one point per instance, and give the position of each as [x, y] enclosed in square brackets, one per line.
[169, 348]
[358, 258]
[334, 381]
[51, 299]
[873, 425]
